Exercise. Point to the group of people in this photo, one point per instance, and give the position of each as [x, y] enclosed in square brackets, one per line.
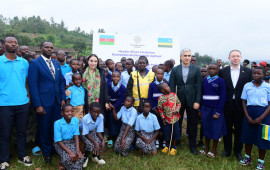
[81, 104]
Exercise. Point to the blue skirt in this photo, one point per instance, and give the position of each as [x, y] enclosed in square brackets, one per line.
[253, 134]
[212, 128]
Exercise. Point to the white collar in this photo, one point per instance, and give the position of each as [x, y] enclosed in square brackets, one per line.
[45, 59]
[238, 68]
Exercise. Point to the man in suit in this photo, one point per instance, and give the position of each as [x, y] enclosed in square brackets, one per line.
[186, 77]
[47, 91]
[235, 76]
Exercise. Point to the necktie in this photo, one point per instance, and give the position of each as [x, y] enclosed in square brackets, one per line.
[50, 67]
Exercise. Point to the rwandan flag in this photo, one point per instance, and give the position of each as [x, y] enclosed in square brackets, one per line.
[106, 39]
[266, 132]
[165, 42]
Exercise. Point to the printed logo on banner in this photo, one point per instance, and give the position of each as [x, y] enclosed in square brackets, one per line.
[137, 42]
[106, 39]
[165, 42]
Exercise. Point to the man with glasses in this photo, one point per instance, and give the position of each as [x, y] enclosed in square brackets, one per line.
[186, 77]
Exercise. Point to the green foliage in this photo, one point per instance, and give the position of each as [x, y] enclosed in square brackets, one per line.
[204, 60]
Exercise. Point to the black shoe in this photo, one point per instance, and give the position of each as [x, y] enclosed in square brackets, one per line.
[47, 159]
[194, 151]
[238, 156]
[226, 154]
[26, 161]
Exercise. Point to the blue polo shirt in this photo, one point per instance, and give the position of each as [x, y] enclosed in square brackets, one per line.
[148, 124]
[124, 78]
[128, 116]
[256, 96]
[65, 69]
[88, 124]
[77, 95]
[13, 76]
[65, 131]
[167, 76]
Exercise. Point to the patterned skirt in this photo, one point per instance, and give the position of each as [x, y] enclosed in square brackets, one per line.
[89, 146]
[146, 148]
[78, 112]
[128, 140]
[64, 156]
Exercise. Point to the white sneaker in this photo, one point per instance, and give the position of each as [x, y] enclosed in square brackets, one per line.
[26, 161]
[98, 160]
[4, 166]
[157, 144]
[85, 162]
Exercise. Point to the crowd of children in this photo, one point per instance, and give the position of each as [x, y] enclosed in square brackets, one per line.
[84, 129]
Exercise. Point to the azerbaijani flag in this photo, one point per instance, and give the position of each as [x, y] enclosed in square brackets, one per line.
[165, 42]
[266, 132]
[106, 39]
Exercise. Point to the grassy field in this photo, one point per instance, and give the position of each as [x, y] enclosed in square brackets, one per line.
[183, 160]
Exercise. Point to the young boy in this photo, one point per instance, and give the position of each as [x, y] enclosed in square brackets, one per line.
[92, 127]
[110, 64]
[154, 69]
[77, 96]
[168, 107]
[126, 74]
[74, 64]
[167, 67]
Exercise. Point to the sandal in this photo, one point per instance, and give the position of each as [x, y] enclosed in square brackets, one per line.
[211, 155]
[165, 150]
[36, 151]
[173, 151]
[202, 152]
[110, 143]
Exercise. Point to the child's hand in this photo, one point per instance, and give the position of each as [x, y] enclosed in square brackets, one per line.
[79, 154]
[96, 149]
[72, 157]
[123, 144]
[250, 120]
[111, 106]
[258, 121]
[215, 116]
[107, 106]
[102, 145]
[164, 122]
[67, 92]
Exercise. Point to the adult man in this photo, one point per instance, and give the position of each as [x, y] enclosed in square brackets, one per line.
[61, 57]
[235, 77]
[47, 90]
[2, 50]
[186, 77]
[14, 103]
[23, 50]
[219, 62]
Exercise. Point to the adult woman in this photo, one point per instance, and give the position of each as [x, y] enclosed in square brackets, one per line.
[94, 82]
[145, 77]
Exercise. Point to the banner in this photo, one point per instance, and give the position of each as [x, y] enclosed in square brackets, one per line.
[157, 49]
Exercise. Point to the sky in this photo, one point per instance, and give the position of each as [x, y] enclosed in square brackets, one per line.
[212, 27]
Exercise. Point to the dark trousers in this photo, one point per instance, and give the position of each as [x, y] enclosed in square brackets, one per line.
[234, 118]
[46, 127]
[8, 114]
[192, 123]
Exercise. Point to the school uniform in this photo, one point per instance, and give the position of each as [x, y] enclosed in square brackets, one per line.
[77, 100]
[91, 127]
[213, 100]
[68, 77]
[146, 127]
[257, 102]
[128, 117]
[65, 69]
[167, 75]
[125, 77]
[117, 98]
[65, 133]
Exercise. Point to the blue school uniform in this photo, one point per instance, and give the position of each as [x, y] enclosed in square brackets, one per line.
[68, 77]
[124, 78]
[77, 95]
[257, 102]
[88, 124]
[65, 131]
[65, 69]
[117, 94]
[167, 76]
[214, 98]
[148, 124]
[128, 116]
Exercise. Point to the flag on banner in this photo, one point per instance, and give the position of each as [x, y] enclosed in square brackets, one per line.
[266, 132]
[165, 42]
[106, 39]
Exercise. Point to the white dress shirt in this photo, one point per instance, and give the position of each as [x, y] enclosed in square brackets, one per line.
[45, 59]
[235, 76]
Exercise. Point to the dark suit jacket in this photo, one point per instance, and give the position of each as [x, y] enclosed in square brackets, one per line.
[244, 77]
[44, 89]
[190, 91]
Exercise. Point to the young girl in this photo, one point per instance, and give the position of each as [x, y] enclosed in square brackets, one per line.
[256, 97]
[77, 96]
[153, 96]
[66, 132]
[213, 121]
[147, 130]
[92, 127]
[128, 115]
[117, 93]
[74, 64]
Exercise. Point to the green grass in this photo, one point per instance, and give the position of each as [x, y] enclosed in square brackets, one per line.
[182, 160]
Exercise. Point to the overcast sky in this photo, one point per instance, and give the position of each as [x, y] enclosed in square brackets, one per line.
[210, 27]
